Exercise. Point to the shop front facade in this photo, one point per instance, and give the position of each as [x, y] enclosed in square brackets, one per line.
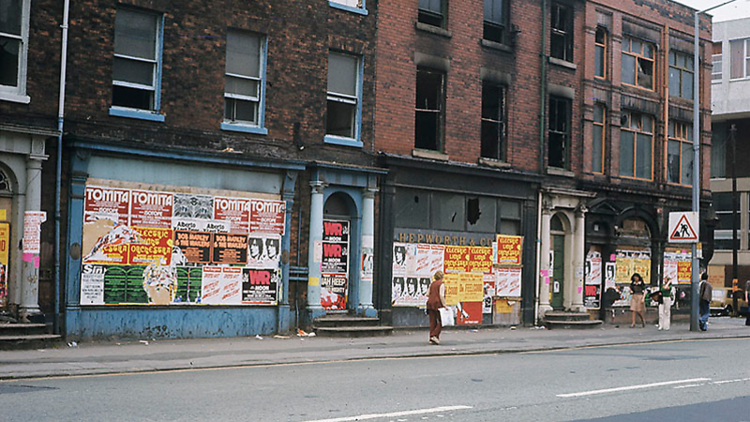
[475, 224]
[191, 245]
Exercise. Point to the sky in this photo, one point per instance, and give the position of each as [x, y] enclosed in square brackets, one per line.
[738, 9]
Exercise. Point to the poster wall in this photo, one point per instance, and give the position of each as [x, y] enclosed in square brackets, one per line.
[158, 247]
[628, 262]
[334, 278]
[678, 266]
[4, 253]
[592, 289]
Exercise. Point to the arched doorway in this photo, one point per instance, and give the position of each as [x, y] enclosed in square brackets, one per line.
[6, 211]
[337, 267]
[557, 258]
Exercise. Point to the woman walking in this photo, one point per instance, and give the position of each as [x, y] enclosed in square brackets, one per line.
[435, 301]
[637, 302]
[665, 307]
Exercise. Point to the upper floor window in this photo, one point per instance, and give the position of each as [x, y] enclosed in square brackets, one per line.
[716, 70]
[637, 63]
[636, 145]
[430, 109]
[680, 153]
[681, 74]
[724, 205]
[600, 55]
[432, 12]
[137, 62]
[496, 20]
[739, 51]
[493, 121]
[14, 35]
[559, 132]
[243, 79]
[344, 96]
[597, 150]
[561, 41]
[357, 6]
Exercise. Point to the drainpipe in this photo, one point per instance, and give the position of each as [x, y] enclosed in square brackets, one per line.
[543, 87]
[538, 256]
[58, 177]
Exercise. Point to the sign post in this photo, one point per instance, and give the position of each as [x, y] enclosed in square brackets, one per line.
[684, 228]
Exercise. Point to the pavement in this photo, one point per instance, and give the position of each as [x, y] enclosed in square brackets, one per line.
[149, 355]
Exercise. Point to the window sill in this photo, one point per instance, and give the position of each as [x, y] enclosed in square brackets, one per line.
[14, 98]
[339, 140]
[563, 63]
[133, 113]
[429, 154]
[236, 127]
[556, 171]
[496, 46]
[433, 30]
[747, 78]
[357, 10]
[491, 162]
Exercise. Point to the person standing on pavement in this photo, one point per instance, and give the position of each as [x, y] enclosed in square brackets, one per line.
[665, 307]
[435, 301]
[637, 301]
[705, 294]
[747, 290]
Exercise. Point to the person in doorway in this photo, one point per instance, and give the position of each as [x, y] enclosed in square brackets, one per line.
[747, 289]
[665, 307]
[705, 294]
[637, 300]
[435, 301]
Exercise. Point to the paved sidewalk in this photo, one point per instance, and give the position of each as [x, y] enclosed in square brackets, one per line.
[159, 355]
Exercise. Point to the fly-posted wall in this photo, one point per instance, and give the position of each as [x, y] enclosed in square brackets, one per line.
[184, 246]
[159, 245]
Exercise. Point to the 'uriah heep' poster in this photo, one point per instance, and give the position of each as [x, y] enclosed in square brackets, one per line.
[334, 278]
[157, 247]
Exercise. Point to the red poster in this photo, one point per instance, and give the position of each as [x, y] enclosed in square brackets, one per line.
[509, 249]
[267, 216]
[468, 259]
[469, 313]
[151, 209]
[112, 203]
[156, 246]
[235, 211]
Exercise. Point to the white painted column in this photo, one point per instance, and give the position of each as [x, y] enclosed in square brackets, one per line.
[29, 303]
[544, 266]
[578, 259]
[315, 252]
[367, 246]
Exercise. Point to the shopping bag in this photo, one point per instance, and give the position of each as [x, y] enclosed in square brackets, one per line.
[446, 317]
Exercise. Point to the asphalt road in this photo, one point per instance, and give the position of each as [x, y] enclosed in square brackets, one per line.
[673, 381]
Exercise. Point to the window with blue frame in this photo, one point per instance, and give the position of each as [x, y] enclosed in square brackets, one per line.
[344, 96]
[357, 6]
[135, 74]
[243, 79]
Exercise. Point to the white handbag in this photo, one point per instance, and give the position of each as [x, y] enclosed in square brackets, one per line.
[447, 317]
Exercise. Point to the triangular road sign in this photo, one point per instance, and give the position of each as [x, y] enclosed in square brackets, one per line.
[683, 230]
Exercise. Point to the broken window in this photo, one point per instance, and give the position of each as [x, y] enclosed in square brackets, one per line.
[637, 63]
[681, 74]
[600, 59]
[448, 211]
[480, 214]
[559, 135]
[680, 153]
[343, 95]
[636, 145]
[242, 78]
[493, 121]
[597, 150]
[137, 41]
[496, 20]
[432, 12]
[429, 109]
[561, 44]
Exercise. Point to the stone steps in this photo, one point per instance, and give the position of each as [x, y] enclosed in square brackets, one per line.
[570, 320]
[349, 326]
[25, 336]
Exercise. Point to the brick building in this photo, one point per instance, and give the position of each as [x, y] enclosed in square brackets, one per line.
[202, 154]
[460, 88]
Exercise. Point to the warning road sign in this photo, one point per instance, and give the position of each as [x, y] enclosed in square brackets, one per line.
[683, 227]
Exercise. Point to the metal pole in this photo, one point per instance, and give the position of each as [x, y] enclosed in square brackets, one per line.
[735, 223]
[696, 175]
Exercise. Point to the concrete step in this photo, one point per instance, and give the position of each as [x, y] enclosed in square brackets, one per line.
[28, 341]
[576, 325]
[7, 329]
[353, 331]
[567, 316]
[345, 321]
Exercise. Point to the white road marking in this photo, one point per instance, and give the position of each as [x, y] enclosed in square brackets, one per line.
[631, 387]
[688, 386]
[730, 381]
[395, 414]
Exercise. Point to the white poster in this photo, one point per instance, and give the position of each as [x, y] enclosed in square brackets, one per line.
[92, 285]
[264, 250]
[221, 286]
[508, 282]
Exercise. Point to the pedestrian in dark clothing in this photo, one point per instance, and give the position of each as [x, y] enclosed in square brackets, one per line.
[747, 290]
[637, 300]
[435, 301]
[705, 294]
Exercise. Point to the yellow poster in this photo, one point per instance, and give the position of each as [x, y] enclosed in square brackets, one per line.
[4, 243]
[642, 267]
[623, 269]
[471, 287]
[452, 282]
